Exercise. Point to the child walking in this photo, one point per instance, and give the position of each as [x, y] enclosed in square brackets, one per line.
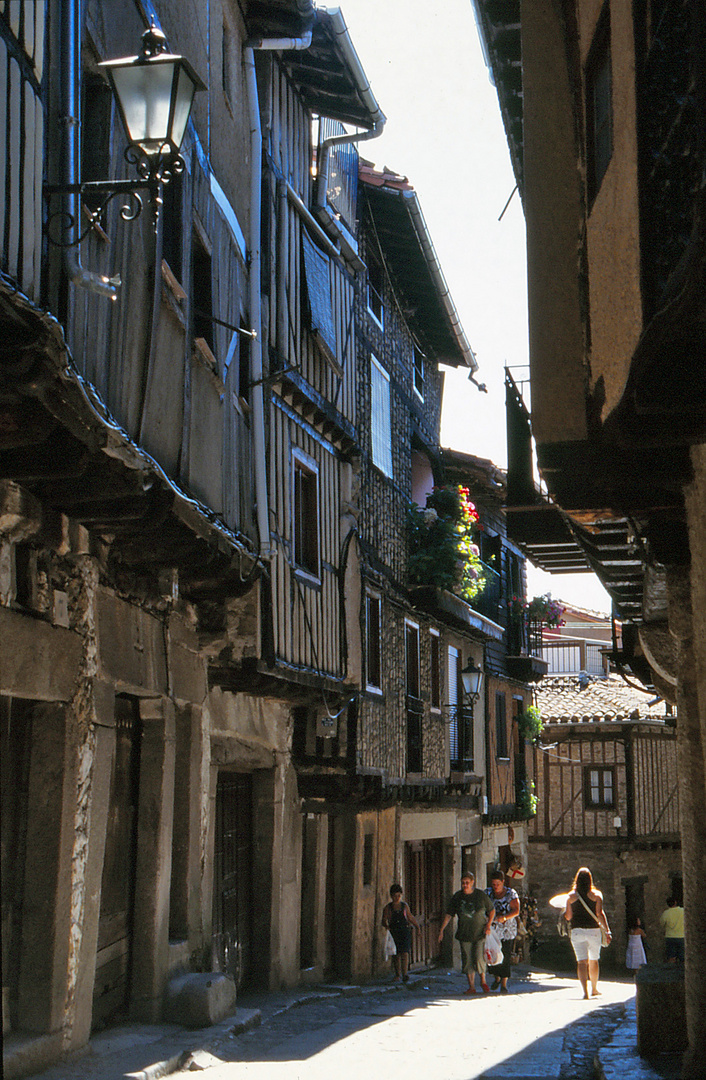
[635, 954]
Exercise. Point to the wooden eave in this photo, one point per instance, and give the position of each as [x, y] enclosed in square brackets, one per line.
[59, 444]
[411, 276]
[316, 410]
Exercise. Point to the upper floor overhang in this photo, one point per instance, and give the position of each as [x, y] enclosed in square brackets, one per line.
[63, 458]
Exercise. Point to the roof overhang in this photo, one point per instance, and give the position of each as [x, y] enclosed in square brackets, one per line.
[414, 267]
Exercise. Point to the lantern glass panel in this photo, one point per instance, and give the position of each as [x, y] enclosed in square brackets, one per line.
[145, 93]
[183, 100]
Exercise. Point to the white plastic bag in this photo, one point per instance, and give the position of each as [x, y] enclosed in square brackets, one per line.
[389, 948]
[493, 949]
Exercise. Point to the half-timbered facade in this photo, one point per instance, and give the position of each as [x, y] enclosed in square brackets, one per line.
[177, 408]
[608, 798]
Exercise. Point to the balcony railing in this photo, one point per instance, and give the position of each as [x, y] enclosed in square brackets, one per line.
[487, 602]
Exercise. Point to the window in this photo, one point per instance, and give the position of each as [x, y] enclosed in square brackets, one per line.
[373, 641]
[500, 726]
[599, 107]
[375, 286]
[415, 710]
[305, 484]
[419, 372]
[435, 650]
[411, 632]
[97, 106]
[172, 226]
[202, 294]
[380, 417]
[599, 787]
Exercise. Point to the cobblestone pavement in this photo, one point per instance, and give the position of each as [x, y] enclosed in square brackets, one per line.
[585, 1037]
[543, 1029]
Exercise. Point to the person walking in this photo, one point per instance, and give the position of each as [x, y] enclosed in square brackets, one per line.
[475, 912]
[399, 920]
[672, 920]
[584, 911]
[635, 952]
[507, 909]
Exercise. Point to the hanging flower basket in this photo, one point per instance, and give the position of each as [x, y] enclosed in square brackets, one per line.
[442, 547]
[540, 609]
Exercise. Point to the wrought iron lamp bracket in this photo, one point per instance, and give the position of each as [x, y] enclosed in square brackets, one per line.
[153, 170]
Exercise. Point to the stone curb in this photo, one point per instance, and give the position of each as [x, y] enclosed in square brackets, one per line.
[619, 1060]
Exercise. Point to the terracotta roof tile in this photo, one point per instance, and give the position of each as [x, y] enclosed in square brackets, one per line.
[561, 700]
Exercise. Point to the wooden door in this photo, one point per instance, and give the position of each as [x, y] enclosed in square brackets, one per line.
[111, 992]
[232, 877]
[425, 896]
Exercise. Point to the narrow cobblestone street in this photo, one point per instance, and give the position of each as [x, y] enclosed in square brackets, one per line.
[542, 1028]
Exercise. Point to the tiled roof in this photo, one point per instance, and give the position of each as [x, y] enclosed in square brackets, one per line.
[384, 177]
[561, 700]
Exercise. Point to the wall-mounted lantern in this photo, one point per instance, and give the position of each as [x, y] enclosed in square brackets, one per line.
[154, 92]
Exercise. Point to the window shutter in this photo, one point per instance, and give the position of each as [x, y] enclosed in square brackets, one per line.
[380, 417]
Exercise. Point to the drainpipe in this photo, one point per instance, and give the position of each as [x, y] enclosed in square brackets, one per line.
[66, 23]
[253, 104]
[343, 40]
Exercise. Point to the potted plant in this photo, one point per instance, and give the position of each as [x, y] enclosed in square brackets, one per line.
[530, 724]
[442, 547]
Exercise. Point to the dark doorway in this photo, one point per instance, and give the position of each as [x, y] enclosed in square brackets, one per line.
[111, 992]
[424, 876]
[634, 901]
[232, 877]
[15, 746]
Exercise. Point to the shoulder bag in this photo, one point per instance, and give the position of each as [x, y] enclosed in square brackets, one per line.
[605, 939]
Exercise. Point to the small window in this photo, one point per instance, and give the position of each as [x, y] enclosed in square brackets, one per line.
[375, 287]
[599, 107]
[172, 226]
[435, 688]
[599, 787]
[244, 343]
[419, 372]
[97, 106]
[202, 293]
[306, 514]
[373, 639]
[412, 659]
[500, 726]
[381, 435]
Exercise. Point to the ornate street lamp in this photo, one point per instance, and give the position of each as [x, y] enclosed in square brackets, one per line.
[472, 679]
[154, 92]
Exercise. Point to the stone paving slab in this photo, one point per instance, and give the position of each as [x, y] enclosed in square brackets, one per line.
[619, 1060]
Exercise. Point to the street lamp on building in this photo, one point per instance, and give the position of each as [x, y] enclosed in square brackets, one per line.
[472, 680]
[154, 92]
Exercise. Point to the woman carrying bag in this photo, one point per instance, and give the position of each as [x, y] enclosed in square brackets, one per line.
[589, 928]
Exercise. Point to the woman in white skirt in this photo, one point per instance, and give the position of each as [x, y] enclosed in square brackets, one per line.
[635, 954]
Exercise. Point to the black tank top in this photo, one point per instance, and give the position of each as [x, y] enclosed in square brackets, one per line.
[580, 919]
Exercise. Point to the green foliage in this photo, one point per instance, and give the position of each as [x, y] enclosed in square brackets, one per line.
[527, 800]
[530, 723]
[442, 548]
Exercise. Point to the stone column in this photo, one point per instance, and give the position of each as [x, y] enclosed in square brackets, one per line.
[150, 942]
[103, 751]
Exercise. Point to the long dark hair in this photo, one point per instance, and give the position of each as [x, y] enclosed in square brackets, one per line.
[583, 882]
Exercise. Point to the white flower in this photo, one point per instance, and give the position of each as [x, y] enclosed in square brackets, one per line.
[430, 516]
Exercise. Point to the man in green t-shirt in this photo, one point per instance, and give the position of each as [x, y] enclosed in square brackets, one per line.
[475, 912]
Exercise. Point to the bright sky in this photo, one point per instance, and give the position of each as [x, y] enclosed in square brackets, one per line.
[445, 133]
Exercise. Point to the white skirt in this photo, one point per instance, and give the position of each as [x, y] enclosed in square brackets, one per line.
[635, 955]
